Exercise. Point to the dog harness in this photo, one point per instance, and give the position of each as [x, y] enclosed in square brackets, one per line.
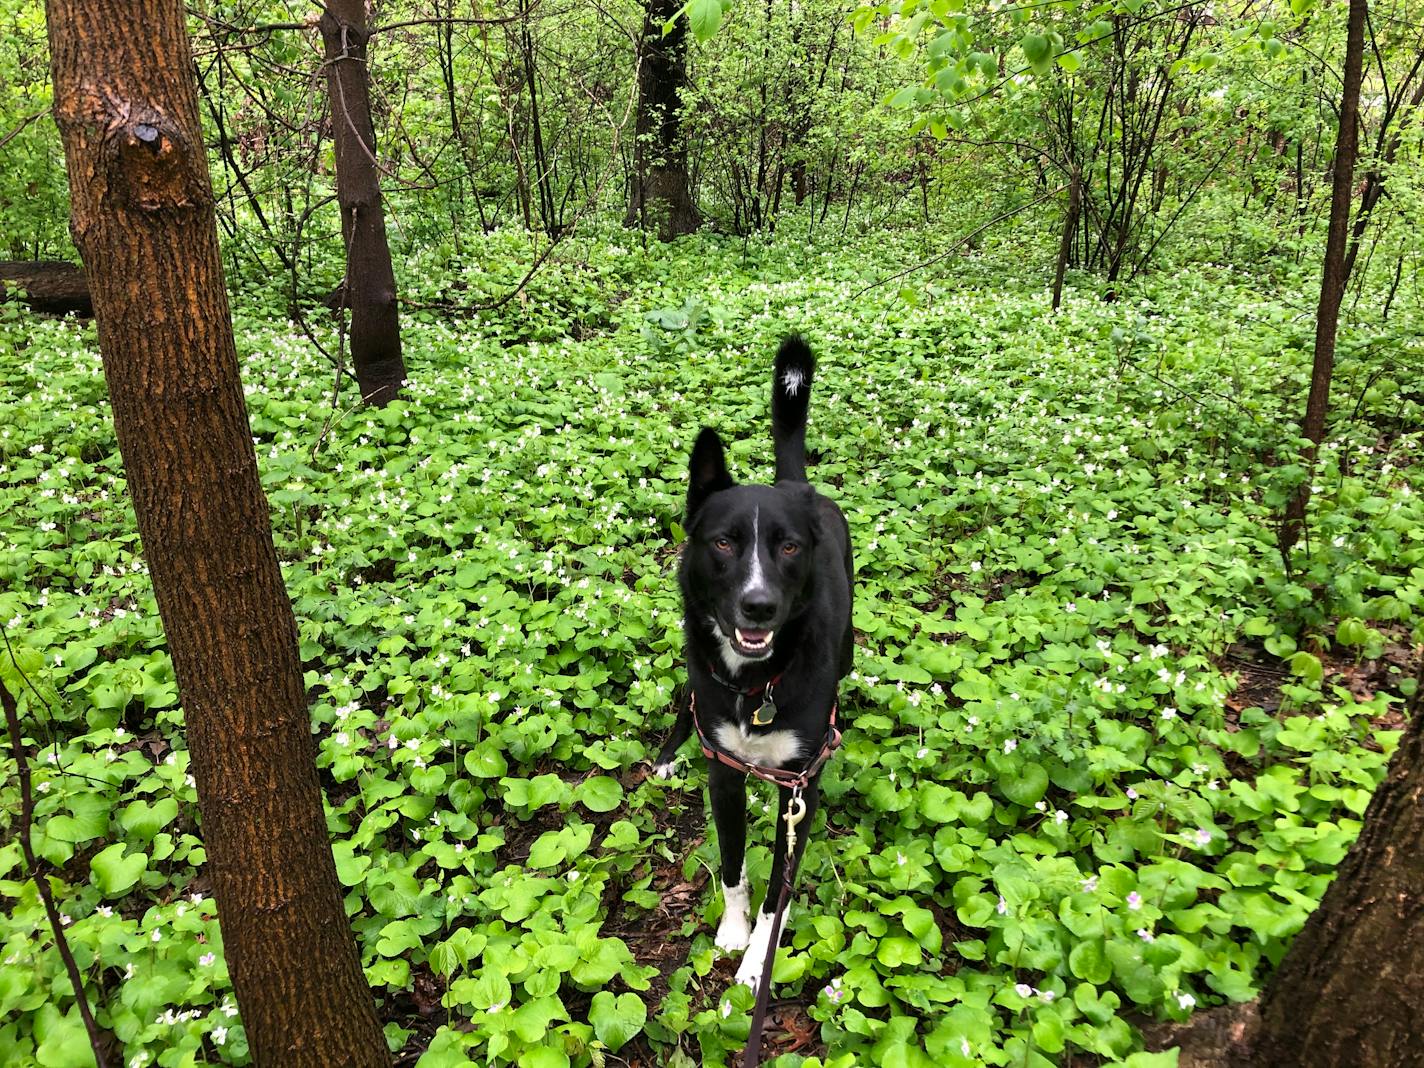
[796, 782]
[791, 780]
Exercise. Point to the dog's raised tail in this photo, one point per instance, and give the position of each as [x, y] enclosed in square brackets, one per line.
[790, 399]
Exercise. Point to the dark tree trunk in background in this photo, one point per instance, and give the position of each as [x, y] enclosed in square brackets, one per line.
[543, 169]
[370, 285]
[661, 195]
[1388, 147]
[1070, 227]
[1333, 278]
[1349, 991]
[143, 220]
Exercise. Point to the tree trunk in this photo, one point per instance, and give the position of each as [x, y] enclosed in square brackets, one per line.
[1332, 282]
[1348, 992]
[370, 284]
[1070, 227]
[661, 195]
[143, 221]
[51, 286]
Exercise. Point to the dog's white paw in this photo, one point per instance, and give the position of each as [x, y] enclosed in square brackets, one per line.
[733, 932]
[749, 974]
[665, 771]
[732, 935]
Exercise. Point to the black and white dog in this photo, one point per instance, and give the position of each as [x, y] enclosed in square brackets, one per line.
[766, 590]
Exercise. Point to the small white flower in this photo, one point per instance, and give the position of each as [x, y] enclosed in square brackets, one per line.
[1060, 816]
[1023, 990]
[1134, 901]
[1090, 884]
[207, 960]
[964, 1046]
[219, 1035]
[1046, 995]
[1003, 906]
[1146, 935]
[1185, 1001]
[1169, 713]
[1202, 836]
[1010, 744]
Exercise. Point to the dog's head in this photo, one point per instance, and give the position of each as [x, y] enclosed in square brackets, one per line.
[747, 563]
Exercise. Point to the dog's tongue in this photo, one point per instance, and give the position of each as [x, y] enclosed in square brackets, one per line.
[756, 637]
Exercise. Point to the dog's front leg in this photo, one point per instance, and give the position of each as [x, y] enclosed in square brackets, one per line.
[728, 792]
[666, 764]
[763, 935]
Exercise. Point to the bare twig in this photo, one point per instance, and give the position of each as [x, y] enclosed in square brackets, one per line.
[960, 243]
[14, 132]
[27, 812]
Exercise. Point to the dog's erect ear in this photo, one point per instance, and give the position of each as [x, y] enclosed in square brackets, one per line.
[708, 470]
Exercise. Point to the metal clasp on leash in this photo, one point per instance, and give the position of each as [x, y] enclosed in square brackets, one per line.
[795, 813]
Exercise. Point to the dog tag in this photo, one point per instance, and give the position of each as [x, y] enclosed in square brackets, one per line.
[766, 711]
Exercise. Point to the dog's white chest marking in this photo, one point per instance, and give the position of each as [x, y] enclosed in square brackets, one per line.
[769, 749]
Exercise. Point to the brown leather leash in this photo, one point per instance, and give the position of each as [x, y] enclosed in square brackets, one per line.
[796, 782]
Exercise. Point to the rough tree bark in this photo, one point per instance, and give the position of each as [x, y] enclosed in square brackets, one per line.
[143, 221]
[369, 289]
[661, 196]
[1347, 994]
[1333, 277]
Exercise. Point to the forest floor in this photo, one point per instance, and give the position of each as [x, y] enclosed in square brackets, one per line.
[1103, 750]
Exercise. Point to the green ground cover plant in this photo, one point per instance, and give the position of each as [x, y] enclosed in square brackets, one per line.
[1103, 754]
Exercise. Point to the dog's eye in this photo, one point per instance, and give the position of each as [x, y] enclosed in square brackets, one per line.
[791, 548]
[723, 545]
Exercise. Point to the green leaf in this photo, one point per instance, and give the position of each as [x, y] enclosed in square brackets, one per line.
[144, 819]
[1087, 961]
[485, 761]
[705, 17]
[600, 793]
[897, 951]
[113, 872]
[1025, 783]
[62, 1041]
[1035, 47]
[616, 1019]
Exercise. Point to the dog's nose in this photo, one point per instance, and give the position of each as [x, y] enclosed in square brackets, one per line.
[758, 608]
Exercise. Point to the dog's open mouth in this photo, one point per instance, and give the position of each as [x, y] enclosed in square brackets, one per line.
[752, 642]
